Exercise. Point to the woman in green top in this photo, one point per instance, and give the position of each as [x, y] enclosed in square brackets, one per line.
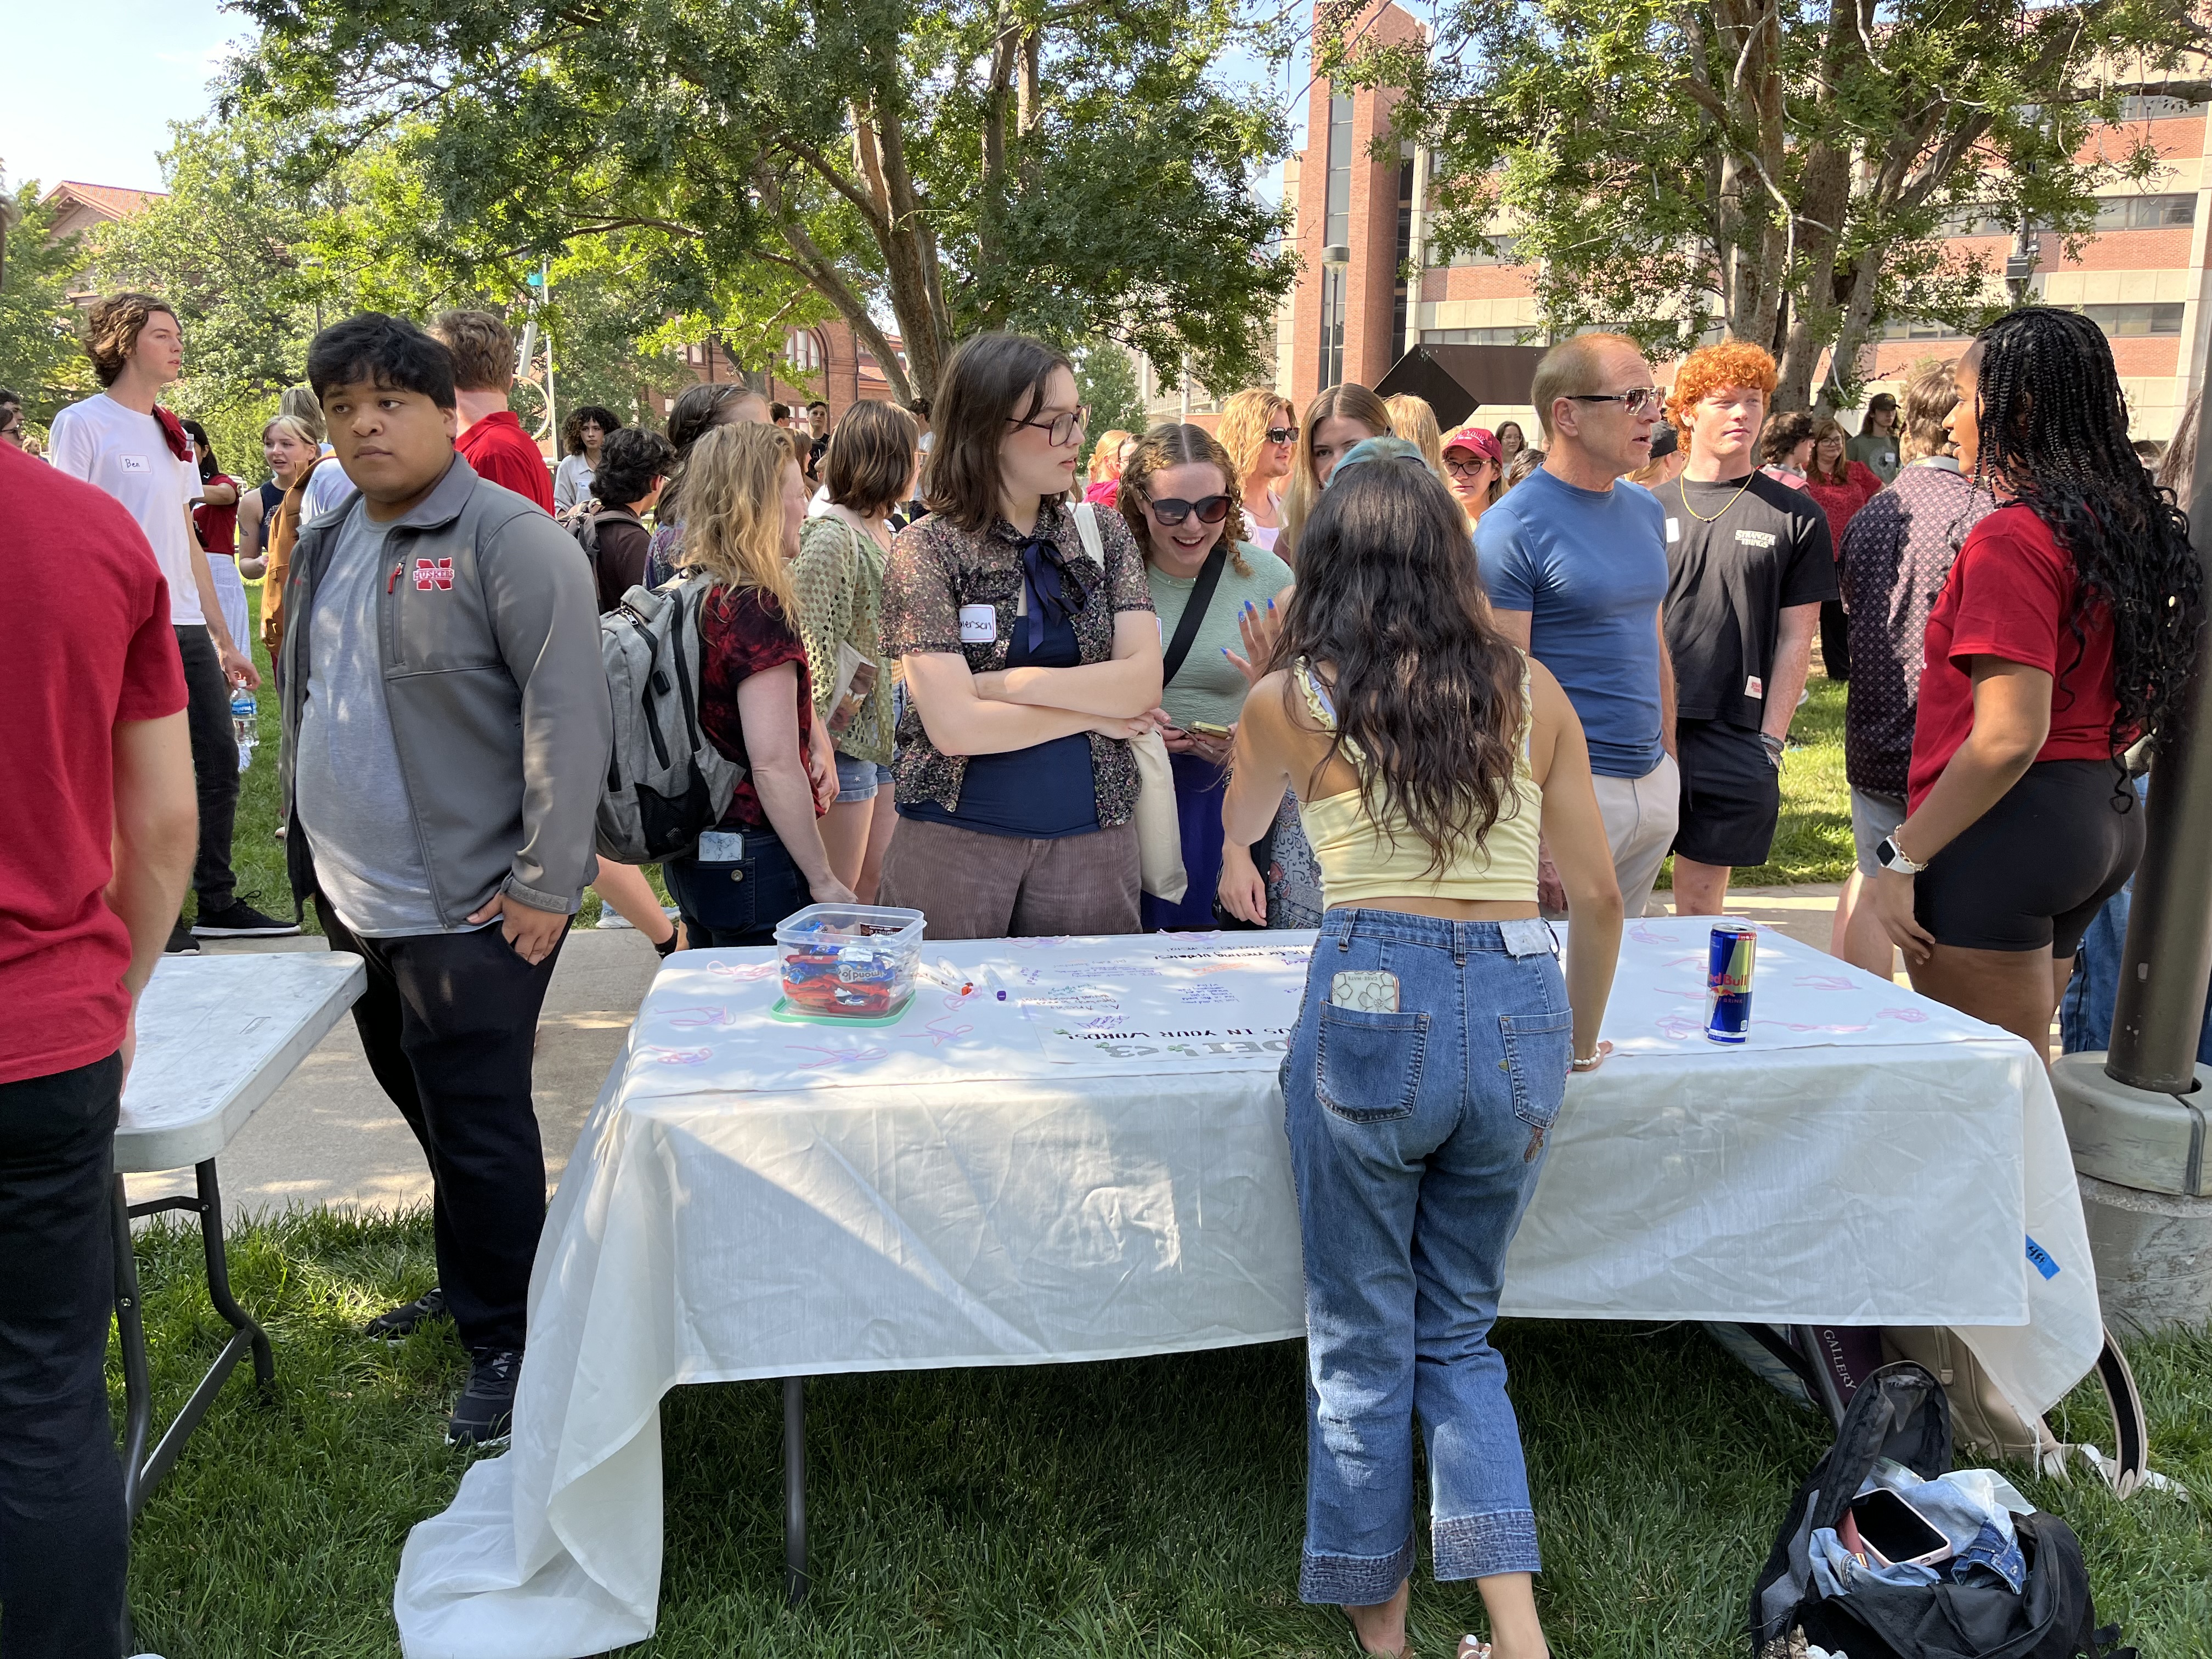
[839, 579]
[1876, 443]
[1180, 495]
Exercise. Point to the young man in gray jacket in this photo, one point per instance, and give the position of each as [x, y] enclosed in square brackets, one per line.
[446, 731]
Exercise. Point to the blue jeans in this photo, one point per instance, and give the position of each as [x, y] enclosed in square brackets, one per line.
[2085, 1014]
[858, 780]
[1416, 1137]
[725, 905]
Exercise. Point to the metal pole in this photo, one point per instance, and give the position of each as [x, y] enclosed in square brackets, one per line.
[544, 293]
[796, 1580]
[2168, 959]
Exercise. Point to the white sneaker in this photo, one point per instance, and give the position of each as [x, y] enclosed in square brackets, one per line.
[611, 919]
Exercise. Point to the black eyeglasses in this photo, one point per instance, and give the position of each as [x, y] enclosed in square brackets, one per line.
[1632, 400]
[1061, 429]
[1466, 468]
[1211, 509]
[1282, 435]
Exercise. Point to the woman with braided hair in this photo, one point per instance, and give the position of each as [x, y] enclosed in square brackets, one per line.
[2066, 630]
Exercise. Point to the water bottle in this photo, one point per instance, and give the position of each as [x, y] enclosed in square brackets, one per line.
[244, 724]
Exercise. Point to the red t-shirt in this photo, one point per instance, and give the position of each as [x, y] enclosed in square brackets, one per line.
[101, 651]
[218, 526]
[1842, 501]
[2009, 595]
[742, 632]
[500, 450]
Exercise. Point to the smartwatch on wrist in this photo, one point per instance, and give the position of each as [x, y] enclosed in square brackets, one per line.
[1890, 856]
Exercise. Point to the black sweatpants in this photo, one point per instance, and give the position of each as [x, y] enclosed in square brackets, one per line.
[214, 765]
[64, 1540]
[450, 1022]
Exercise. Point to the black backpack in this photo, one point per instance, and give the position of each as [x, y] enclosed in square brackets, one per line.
[1900, 1412]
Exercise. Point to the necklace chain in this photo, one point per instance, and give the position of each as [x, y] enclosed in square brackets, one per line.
[1683, 486]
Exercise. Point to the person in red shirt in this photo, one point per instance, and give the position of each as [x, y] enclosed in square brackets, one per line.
[2066, 630]
[1841, 486]
[492, 440]
[93, 730]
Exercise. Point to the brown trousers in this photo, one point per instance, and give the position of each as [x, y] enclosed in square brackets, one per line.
[971, 885]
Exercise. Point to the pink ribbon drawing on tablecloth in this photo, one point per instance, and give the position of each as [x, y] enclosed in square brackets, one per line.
[1822, 982]
[937, 1034]
[680, 1056]
[684, 1018]
[1910, 1016]
[744, 972]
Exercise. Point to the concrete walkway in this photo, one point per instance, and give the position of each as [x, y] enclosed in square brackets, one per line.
[329, 1136]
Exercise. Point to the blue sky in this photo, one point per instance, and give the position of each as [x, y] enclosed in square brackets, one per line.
[145, 63]
[100, 80]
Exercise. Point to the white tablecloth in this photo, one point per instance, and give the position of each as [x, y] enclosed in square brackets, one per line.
[1072, 1149]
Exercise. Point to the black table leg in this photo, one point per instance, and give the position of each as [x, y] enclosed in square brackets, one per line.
[795, 1580]
[143, 1472]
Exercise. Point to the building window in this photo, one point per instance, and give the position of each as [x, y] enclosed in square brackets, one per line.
[1502, 251]
[2145, 212]
[1401, 294]
[1920, 328]
[1336, 225]
[2133, 321]
[1331, 325]
[1475, 335]
[802, 352]
[2155, 108]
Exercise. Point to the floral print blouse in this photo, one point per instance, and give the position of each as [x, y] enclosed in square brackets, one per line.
[940, 581]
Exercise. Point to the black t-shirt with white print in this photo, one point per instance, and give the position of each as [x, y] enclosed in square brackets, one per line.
[1738, 556]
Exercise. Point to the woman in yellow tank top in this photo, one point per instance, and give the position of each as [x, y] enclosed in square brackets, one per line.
[1432, 1052]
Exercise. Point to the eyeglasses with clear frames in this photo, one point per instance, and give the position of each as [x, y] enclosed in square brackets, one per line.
[1062, 429]
[1633, 400]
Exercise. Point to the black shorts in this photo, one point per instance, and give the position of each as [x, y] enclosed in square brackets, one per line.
[1731, 794]
[2031, 872]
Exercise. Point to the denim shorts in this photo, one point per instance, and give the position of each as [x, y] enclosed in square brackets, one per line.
[1874, 818]
[858, 780]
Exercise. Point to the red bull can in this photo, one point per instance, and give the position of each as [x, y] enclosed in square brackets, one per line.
[1728, 981]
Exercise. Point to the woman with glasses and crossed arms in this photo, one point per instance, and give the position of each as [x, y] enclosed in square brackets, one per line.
[1028, 665]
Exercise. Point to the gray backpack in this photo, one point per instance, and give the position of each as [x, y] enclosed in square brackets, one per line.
[666, 783]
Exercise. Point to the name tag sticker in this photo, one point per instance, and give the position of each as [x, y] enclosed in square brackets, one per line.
[133, 464]
[1673, 530]
[1754, 687]
[979, 624]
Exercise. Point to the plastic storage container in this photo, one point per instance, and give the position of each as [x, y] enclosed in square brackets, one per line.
[849, 961]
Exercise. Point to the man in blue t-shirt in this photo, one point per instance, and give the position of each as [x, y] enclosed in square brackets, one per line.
[1576, 567]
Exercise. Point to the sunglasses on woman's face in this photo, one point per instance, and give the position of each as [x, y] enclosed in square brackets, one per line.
[1211, 509]
[1282, 435]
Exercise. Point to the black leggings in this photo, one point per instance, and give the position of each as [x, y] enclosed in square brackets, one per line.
[2031, 872]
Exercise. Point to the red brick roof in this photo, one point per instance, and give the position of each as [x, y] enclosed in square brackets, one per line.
[109, 201]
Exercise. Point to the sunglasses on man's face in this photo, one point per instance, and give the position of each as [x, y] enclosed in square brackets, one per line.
[1211, 509]
[1282, 435]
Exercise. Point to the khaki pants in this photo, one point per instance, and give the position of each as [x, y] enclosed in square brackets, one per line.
[1640, 815]
[971, 885]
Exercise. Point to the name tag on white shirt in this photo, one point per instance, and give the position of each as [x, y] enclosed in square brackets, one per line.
[979, 624]
[133, 463]
[1673, 530]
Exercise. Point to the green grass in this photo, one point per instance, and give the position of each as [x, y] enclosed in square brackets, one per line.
[1146, 1508]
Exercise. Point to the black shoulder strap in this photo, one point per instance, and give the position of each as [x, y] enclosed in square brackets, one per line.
[1201, 595]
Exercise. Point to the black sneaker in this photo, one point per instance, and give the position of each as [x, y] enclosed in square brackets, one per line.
[238, 920]
[485, 1415]
[181, 942]
[402, 1322]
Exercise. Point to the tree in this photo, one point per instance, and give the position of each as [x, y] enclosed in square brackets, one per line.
[1786, 169]
[1106, 380]
[1033, 164]
[40, 358]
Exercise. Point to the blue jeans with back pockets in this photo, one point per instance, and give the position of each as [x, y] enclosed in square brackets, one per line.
[1428, 1065]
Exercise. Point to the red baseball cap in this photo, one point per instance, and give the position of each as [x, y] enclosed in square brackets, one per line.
[1479, 439]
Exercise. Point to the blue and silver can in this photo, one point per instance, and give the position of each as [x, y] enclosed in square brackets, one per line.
[1728, 981]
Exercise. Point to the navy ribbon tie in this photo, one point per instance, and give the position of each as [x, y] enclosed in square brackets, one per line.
[1056, 592]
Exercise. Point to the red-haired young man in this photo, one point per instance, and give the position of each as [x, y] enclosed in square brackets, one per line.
[1748, 564]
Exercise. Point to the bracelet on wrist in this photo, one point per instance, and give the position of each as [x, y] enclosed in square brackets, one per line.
[1586, 1064]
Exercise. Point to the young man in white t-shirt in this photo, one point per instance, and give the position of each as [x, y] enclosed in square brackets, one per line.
[123, 442]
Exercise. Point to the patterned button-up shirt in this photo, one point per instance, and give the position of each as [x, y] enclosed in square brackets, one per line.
[938, 569]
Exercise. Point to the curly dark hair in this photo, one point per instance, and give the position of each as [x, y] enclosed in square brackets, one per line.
[2053, 428]
[1427, 692]
[1784, 432]
[1166, 446]
[629, 460]
[571, 429]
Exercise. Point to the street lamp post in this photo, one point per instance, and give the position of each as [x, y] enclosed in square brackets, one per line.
[2135, 1115]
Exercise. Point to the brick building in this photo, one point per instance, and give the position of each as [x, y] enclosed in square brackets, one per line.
[1360, 221]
